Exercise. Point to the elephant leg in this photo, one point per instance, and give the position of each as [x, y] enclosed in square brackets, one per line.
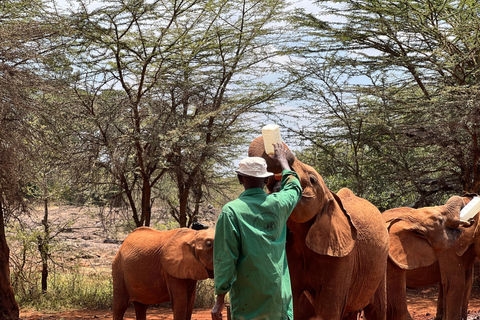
[468, 291]
[331, 302]
[329, 310]
[453, 300]
[120, 301]
[454, 291]
[119, 310]
[140, 310]
[396, 293]
[303, 306]
[179, 296]
[439, 314]
[191, 291]
[377, 309]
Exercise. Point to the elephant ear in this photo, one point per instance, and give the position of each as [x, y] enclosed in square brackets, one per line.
[470, 233]
[408, 249]
[332, 233]
[467, 237]
[178, 256]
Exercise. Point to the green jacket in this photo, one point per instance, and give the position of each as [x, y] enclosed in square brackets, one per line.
[249, 251]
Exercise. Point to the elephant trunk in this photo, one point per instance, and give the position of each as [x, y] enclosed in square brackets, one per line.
[454, 205]
[452, 209]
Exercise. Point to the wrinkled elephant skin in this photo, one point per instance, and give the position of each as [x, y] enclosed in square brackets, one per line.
[421, 252]
[153, 267]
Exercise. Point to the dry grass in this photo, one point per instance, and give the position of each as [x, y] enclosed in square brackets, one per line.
[83, 247]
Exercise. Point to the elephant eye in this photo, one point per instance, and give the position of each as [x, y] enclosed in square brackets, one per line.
[453, 230]
[209, 243]
[419, 233]
[313, 180]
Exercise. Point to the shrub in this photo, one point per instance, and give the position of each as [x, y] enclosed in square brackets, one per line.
[70, 290]
[205, 296]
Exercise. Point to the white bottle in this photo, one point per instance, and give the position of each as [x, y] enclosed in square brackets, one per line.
[471, 209]
[271, 135]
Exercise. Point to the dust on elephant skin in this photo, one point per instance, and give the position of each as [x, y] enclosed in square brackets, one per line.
[154, 266]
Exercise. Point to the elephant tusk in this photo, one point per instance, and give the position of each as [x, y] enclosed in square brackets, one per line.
[309, 297]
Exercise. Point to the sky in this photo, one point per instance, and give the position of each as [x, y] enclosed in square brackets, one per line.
[305, 4]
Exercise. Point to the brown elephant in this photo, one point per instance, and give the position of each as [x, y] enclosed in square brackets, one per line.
[419, 238]
[337, 249]
[453, 271]
[154, 266]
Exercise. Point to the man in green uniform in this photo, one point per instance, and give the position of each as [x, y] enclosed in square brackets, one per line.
[249, 250]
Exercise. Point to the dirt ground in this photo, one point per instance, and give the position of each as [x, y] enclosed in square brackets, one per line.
[152, 314]
[422, 306]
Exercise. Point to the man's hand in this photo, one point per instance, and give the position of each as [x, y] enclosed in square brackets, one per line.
[280, 155]
[218, 307]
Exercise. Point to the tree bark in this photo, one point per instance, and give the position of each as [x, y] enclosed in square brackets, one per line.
[146, 198]
[43, 245]
[8, 306]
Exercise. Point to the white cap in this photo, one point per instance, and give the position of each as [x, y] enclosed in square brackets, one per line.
[254, 167]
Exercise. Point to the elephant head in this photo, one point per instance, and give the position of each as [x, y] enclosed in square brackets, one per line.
[418, 235]
[188, 254]
[332, 231]
[470, 235]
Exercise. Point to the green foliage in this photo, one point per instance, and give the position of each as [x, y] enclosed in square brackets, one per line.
[99, 195]
[229, 189]
[169, 225]
[205, 295]
[162, 91]
[391, 91]
[24, 271]
[70, 289]
[71, 283]
[75, 289]
[114, 221]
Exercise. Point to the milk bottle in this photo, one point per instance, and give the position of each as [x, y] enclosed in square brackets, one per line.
[470, 210]
[271, 135]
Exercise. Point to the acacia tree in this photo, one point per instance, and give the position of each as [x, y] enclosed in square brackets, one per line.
[48, 183]
[162, 87]
[413, 65]
[28, 48]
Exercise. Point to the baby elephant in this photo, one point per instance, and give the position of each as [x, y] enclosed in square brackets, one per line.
[153, 267]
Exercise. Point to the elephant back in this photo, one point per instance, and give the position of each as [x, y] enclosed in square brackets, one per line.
[367, 219]
[145, 241]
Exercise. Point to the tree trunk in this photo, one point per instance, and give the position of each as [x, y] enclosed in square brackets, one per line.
[183, 196]
[198, 198]
[8, 306]
[182, 222]
[43, 244]
[146, 197]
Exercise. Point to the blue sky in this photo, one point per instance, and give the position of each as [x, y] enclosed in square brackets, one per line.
[305, 4]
